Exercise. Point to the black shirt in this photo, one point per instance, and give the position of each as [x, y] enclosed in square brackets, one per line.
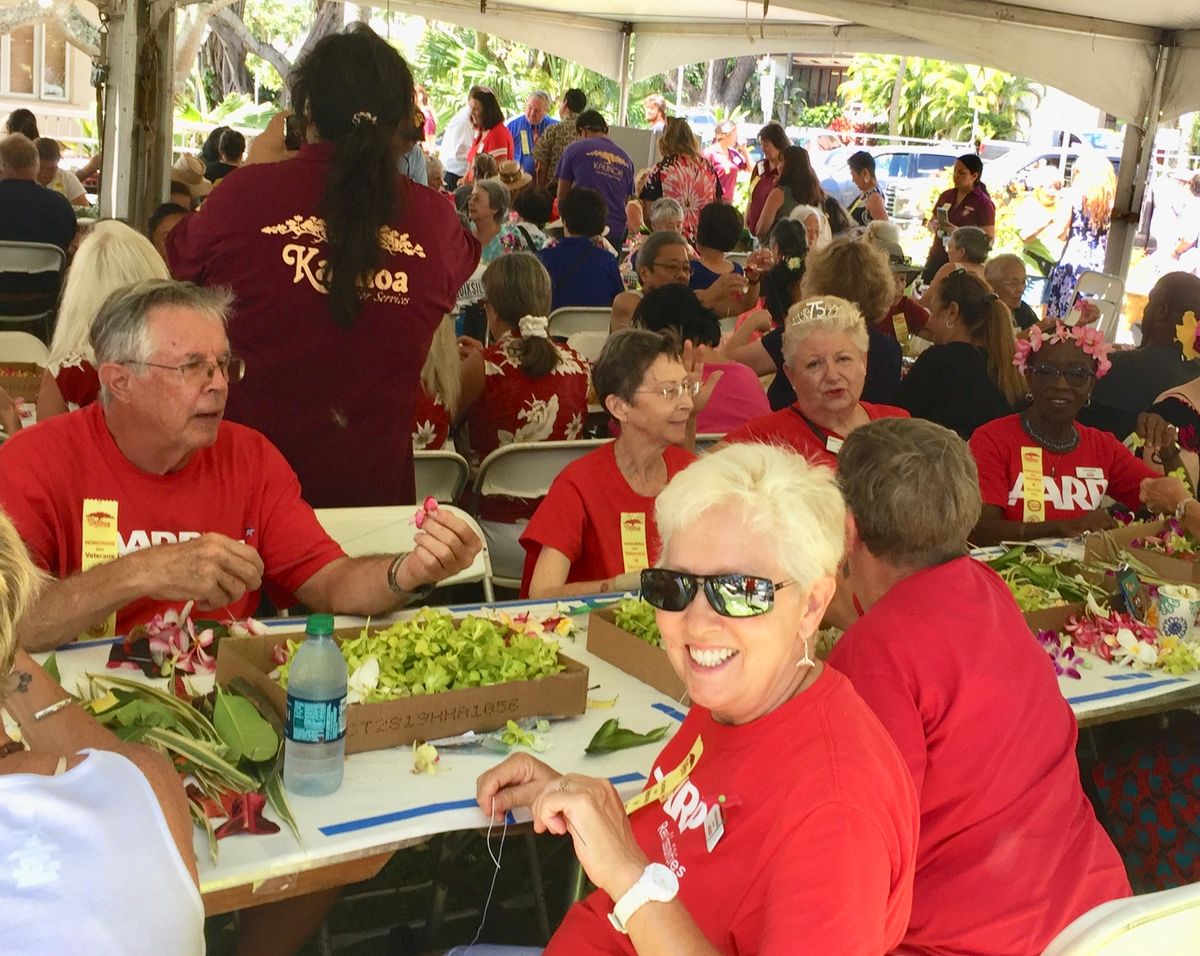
[214, 171]
[29, 212]
[949, 384]
[883, 370]
[1024, 316]
[1136, 379]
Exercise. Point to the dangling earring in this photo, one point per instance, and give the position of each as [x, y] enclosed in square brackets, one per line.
[805, 660]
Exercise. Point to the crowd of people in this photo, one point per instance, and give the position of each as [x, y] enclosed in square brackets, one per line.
[303, 314]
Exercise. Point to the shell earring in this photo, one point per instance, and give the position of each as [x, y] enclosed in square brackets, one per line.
[805, 660]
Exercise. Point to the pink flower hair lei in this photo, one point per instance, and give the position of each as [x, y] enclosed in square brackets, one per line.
[1090, 341]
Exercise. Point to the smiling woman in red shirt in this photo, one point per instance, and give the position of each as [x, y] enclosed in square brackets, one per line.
[491, 135]
[1041, 473]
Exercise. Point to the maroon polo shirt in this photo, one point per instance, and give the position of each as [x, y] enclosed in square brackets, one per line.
[337, 402]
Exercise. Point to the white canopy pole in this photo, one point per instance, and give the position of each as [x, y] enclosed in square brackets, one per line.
[626, 43]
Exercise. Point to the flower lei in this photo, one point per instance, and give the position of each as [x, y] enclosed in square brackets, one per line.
[1090, 341]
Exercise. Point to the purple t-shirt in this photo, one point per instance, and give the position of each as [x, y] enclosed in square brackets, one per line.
[596, 162]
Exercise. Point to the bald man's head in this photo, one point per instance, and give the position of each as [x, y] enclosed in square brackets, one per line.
[1173, 295]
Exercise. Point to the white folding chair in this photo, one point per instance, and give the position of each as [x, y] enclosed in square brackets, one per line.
[389, 529]
[30, 259]
[566, 321]
[525, 470]
[1165, 924]
[588, 344]
[442, 473]
[705, 441]
[1108, 293]
[23, 347]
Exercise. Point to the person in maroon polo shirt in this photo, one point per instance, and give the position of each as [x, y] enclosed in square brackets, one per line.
[341, 269]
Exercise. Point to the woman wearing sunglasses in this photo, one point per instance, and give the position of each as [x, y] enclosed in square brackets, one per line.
[595, 528]
[787, 820]
[825, 360]
[1010, 849]
[1041, 473]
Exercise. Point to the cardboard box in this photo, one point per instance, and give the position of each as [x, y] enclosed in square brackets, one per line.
[1053, 618]
[1105, 547]
[21, 379]
[395, 723]
[631, 654]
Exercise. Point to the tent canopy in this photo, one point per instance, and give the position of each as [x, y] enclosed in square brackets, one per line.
[1110, 63]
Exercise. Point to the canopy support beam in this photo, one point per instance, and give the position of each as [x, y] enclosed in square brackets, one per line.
[626, 51]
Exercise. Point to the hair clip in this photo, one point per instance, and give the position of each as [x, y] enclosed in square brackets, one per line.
[363, 117]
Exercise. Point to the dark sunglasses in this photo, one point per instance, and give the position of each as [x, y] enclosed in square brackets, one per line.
[730, 595]
[1048, 374]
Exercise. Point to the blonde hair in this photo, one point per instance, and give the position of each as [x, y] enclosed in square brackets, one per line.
[1092, 175]
[677, 139]
[20, 583]
[825, 313]
[111, 256]
[441, 375]
[782, 499]
[857, 271]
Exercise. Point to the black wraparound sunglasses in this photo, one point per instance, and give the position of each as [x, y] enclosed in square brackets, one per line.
[730, 595]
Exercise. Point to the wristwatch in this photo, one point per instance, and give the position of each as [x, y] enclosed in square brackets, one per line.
[417, 594]
[657, 884]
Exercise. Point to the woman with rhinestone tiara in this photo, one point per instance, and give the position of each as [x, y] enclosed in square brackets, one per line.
[1041, 473]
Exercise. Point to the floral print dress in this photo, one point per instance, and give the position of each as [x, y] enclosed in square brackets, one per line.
[691, 182]
[517, 408]
[1084, 251]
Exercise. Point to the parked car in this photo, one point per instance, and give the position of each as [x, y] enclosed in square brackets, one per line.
[1014, 167]
[898, 168]
[701, 120]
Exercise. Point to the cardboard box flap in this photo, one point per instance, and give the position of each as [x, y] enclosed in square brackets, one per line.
[630, 653]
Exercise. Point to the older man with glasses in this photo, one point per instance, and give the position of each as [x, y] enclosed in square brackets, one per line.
[528, 128]
[147, 499]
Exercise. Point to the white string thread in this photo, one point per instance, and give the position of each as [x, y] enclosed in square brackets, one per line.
[496, 858]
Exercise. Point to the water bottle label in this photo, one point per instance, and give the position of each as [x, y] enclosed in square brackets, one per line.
[315, 721]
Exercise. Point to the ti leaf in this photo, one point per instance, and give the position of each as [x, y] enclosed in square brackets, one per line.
[51, 668]
[243, 729]
[612, 736]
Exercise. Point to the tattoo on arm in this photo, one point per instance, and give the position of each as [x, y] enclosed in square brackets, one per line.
[23, 682]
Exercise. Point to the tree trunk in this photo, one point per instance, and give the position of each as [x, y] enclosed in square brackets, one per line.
[283, 66]
[734, 87]
[226, 55]
[897, 89]
[328, 17]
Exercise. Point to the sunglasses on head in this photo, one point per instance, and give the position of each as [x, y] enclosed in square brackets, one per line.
[730, 595]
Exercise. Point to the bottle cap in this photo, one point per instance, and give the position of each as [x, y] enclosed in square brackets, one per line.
[319, 625]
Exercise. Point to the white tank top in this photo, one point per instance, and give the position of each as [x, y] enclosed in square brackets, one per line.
[88, 865]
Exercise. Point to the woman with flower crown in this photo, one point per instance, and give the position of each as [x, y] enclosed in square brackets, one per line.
[1041, 473]
[524, 387]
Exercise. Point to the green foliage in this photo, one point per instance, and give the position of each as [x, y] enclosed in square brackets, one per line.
[637, 617]
[612, 736]
[1194, 139]
[819, 116]
[940, 99]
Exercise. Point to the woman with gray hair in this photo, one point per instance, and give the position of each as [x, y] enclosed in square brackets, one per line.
[968, 248]
[825, 360]
[1010, 849]
[487, 210]
[76, 805]
[808, 834]
[595, 528]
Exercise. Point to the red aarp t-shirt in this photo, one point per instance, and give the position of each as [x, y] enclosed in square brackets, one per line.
[790, 428]
[498, 141]
[337, 402]
[1074, 483]
[820, 834]
[1010, 849]
[239, 487]
[583, 513]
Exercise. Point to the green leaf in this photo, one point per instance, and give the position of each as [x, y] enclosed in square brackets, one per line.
[51, 668]
[612, 736]
[243, 729]
[277, 797]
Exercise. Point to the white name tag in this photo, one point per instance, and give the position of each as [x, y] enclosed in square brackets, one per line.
[833, 445]
[1090, 472]
[714, 827]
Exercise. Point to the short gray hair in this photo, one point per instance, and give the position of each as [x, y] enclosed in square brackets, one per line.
[992, 268]
[17, 154]
[541, 95]
[121, 330]
[823, 313]
[793, 506]
[913, 488]
[499, 198]
[974, 243]
[664, 208]
[654, 244]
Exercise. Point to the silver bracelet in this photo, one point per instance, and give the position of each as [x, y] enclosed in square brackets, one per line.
[54, 708]
[1181, 508]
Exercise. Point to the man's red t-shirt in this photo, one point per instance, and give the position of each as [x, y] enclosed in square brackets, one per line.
[1010, 849]
[337, 402]
[583, 513]
[790, 428]
[1074, 483]
[820, 834]
[914, 315]
[239, 487]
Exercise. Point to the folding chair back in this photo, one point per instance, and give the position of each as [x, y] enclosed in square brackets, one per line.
[588, 344]
[23, 347]
[390, 530]
[31, 259]
[1108, 293]
[441, 473]
[567, 321]
[527, 469]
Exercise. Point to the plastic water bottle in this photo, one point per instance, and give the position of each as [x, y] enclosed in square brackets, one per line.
[315, 727]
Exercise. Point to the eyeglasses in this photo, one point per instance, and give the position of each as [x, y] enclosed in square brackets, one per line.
[200, 372]
[673, 390]
[730, 595]
[1048, 374]
[673, 266]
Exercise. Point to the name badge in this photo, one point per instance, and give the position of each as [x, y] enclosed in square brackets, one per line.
[1032, 487]
[634, 551]
[99, 545]
[833, 444]
[1090, 472]
[714, 827]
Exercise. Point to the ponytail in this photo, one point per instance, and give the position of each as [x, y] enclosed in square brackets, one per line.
[989, 323]
[536, 355]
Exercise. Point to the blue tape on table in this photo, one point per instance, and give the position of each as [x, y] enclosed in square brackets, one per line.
[1136, 675]
[396, 816]
[1124, 691]
[670, 711]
